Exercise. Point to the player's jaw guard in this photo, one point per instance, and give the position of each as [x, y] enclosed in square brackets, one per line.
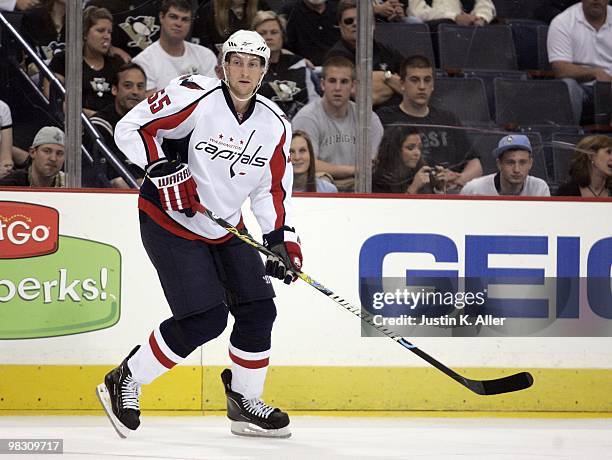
[253, 417]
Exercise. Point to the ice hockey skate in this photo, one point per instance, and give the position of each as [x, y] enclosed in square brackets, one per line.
[119, 395]
[252, 417]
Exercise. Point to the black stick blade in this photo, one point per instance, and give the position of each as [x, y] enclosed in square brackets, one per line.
[514, 382]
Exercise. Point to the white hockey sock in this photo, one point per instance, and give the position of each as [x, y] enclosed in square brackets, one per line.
[248, 371]
[152, 359]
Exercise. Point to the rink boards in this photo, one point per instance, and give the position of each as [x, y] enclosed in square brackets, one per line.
[59, 339]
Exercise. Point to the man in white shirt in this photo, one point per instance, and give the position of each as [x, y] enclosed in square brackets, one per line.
[514, 161]
[171, 56]
[580, 49]
[483, 11]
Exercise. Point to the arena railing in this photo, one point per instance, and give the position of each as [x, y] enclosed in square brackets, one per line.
[98, 143]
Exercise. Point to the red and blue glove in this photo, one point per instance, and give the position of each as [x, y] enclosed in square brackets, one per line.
[177, 189]
[287, 261]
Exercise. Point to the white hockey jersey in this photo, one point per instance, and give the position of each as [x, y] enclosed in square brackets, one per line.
[230, 159]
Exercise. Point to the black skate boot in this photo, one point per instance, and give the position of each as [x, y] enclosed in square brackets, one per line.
[119, 396]
[252, 417]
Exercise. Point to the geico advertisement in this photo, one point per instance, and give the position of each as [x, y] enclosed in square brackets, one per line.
[52, 284]
[473, 284]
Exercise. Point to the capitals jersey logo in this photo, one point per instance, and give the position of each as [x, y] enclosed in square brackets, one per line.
[233, 150]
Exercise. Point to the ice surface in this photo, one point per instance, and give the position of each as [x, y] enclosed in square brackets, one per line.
[320, 438]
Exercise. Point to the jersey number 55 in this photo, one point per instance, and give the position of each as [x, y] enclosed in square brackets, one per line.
[155, 103]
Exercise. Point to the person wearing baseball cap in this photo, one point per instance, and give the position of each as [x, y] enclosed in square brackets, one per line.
[45, 162]
[514, 158]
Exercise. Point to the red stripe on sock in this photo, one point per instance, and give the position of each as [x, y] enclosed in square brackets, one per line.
[163, 359]
[249, 364]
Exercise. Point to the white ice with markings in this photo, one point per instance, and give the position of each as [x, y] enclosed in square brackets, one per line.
[321, 438]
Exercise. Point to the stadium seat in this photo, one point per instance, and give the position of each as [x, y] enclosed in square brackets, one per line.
[547, 132]
[563, 145]
[602, 100]
[543, 63]
[465, 97]
[488, 77]
[516, 9]
[526, 42]
[489, 47]
[532, 102]
[484, 142]
[406, 39]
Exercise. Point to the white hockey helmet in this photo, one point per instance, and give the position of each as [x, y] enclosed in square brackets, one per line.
[248, 42]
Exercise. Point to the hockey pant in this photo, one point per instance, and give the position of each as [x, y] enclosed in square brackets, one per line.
[249, 349]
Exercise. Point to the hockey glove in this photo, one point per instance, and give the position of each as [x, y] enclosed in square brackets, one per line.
[177, 189]
[285, 244]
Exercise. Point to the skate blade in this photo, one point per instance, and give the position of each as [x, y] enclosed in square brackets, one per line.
[104, 397]
[252, 430]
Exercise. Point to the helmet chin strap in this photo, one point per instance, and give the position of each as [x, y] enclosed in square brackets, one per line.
[229, 88]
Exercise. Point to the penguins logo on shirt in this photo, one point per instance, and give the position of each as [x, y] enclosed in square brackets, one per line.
[190, 70]
[100, 86]
[284, 90]
[51, 49]
[141, 29]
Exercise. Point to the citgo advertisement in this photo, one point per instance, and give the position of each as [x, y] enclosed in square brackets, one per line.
[51, 284]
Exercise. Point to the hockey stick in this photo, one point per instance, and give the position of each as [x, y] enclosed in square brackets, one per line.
[508, 384]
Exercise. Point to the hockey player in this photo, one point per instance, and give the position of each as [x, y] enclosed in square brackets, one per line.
[238, 148]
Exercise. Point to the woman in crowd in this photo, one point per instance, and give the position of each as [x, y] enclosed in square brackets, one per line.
[99, 66]
[590, 173]
[399, 166]
[288, 82]
[303, 160]
[216, 20]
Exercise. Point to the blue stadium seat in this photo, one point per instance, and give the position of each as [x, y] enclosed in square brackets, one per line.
[465, 97]
[488, 47]
[406, 39]
[516, 9]
[602, 101]
[532, 102]
[526, 42]
[548, 133]
[543, 63]
[563, 145]
[488, 77]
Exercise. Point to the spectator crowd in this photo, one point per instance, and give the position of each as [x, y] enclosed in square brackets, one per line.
[425, 136]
